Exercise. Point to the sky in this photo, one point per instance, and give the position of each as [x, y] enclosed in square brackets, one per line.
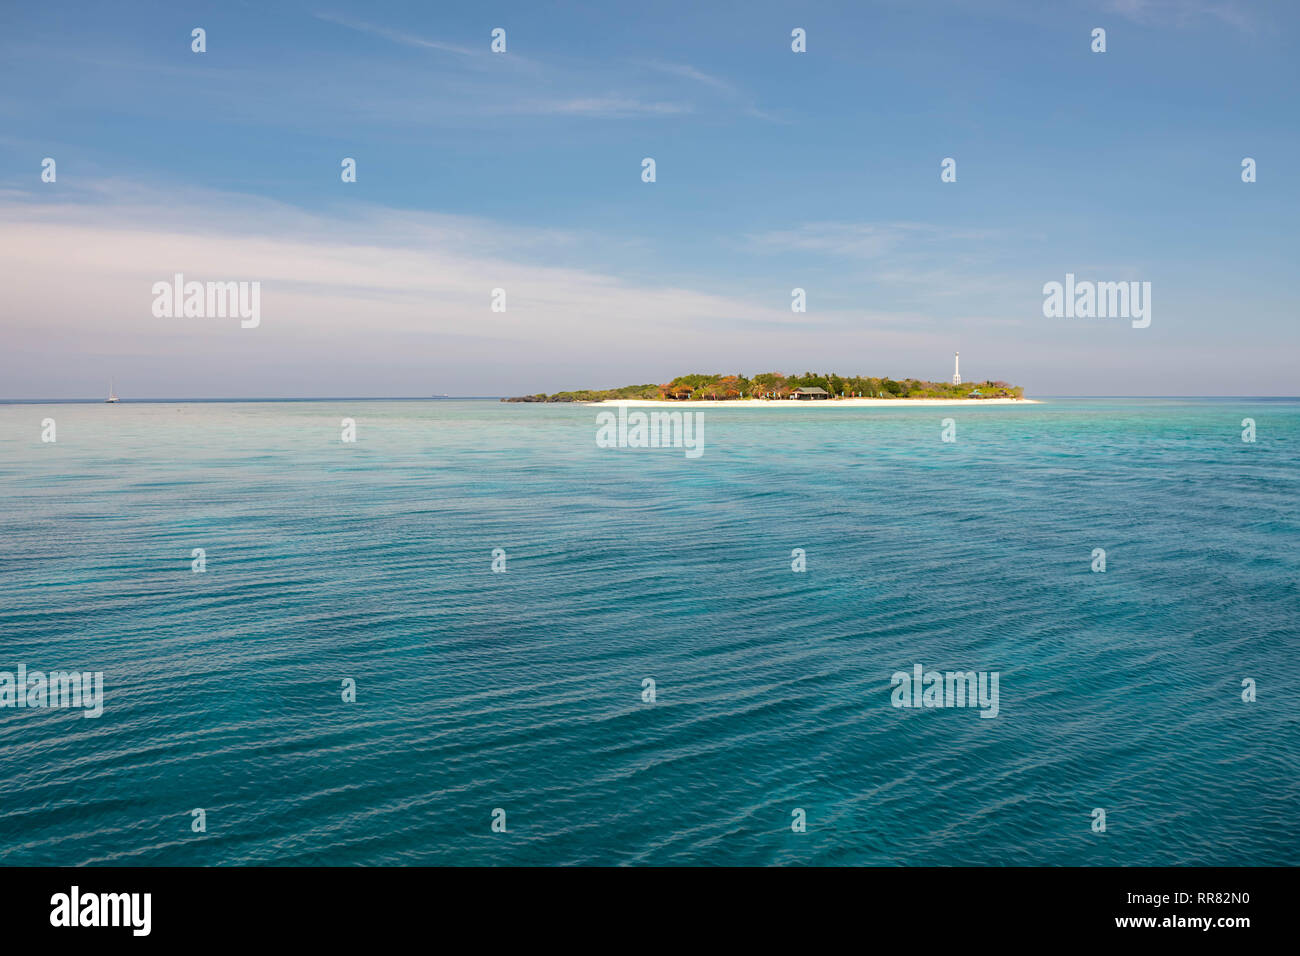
[522, 171]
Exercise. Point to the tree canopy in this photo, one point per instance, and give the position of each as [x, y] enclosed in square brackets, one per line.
[700, 386]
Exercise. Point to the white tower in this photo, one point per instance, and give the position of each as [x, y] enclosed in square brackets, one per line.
[956, 374]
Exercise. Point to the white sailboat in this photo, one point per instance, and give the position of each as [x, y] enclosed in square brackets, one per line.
[112, 397]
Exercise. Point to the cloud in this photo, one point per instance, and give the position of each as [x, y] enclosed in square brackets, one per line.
[367, 300]
[357, 300]
[715, 84]
[857, 240]
[396, 36]
[611, 107]
[1184, 13]
[691, 73]
[501, 94]
[368, 257]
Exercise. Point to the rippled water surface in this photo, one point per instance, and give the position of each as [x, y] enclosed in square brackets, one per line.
[372, 561]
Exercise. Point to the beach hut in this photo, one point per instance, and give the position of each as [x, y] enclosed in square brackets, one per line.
[814, 392]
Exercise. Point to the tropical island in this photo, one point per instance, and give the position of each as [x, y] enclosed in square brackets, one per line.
[774, 386]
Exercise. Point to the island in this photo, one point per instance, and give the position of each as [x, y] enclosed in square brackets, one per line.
[776, 387]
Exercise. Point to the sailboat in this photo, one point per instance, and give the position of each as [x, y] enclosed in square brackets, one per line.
[112, 397]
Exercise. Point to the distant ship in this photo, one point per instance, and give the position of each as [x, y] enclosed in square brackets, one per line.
[112, 396]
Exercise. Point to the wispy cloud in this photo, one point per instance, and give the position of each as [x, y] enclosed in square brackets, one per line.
[396, 36]
[691, 73]
[383, 295]
[608, 106]
[857, 240]
[504, 97]
[1185, 13]
[716, 84]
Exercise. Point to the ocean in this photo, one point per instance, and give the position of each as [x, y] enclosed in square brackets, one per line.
[518, 696]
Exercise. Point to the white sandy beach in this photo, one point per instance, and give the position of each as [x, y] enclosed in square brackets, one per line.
[806, 403]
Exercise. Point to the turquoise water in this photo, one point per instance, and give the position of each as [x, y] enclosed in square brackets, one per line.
[522, 690]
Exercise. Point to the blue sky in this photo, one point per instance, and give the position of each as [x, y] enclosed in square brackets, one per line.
[521, 170]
